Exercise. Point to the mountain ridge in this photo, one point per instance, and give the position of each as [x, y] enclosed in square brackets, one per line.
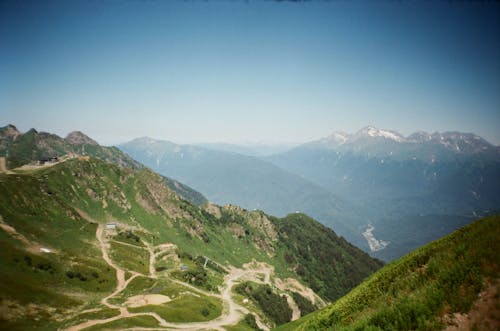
[114, 233]
[68, 201]
[452, 140]
[22, 148]
[228, 177]
[396, 181]
[31, 147]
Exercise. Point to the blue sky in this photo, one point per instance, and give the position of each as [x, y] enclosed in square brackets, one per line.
[247, 71]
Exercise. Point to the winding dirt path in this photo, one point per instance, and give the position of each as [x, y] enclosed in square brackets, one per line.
[121, 285]
[3, 164]
[232, 312]
[293, 306]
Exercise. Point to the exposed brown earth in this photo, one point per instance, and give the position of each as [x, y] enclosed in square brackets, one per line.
[3, 165]
[232, 311]
[484, 314]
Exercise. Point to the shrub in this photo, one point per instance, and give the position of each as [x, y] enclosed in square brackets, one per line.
[304, 304]
[273, 305]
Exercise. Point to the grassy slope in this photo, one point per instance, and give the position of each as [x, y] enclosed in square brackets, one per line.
[42, 205]
[33, 146]
[34, 209]
[412, 293]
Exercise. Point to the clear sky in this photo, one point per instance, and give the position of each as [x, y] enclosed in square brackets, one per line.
[247, 71]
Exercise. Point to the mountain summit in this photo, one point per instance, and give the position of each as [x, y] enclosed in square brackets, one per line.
[9, 131]
[373, 132]
[457, 142]
[32, 146]
[443, 179]
[138, 253]
[79, 138]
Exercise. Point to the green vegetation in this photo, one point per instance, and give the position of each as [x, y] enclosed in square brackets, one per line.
[129, 237]
[273, 305]
[33, 146]
[136, 321]
[413, 292]
[247, 324]
[205, 278]
[329, 264]
[185, 192]
[305, 306]
[59, 208]
[100, 314]
[188, 307]
[146, 285]
[130, 258]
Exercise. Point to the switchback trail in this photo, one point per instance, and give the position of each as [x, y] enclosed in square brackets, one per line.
[232, 312]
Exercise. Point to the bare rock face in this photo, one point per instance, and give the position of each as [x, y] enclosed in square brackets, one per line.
[8, 134]
[9, 131]
[79, 138]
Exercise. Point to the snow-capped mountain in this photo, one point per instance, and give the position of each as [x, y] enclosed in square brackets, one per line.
[372, 132]
[452, 176]
[380, 142]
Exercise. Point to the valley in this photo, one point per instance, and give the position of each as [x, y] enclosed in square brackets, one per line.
[413, 189]
[444, 285]
[97, 244]
[101, 246]
[249, 165]
[374, 243]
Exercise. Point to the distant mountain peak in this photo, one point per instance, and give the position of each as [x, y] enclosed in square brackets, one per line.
[373, 132]
[420, 136]
[79, 138]
[146, 140]
[337, 138]
[369, 136]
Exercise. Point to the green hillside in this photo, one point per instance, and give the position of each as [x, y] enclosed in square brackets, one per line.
[32, 146]
[54, 244]
[422, 290]
[231, 178]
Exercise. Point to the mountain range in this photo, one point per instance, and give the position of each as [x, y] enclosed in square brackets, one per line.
[374, 187]
[247, 181]
[90, 242]
[431, 182]
[93, 240]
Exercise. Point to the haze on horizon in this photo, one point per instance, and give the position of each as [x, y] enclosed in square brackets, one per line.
[249, 71]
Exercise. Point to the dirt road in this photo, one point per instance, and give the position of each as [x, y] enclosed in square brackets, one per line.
[3, 164]
[232, 312]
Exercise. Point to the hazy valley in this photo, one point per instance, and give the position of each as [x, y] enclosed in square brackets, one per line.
[92, 240]
[435, 183]
[88, 243]
[249, 165]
